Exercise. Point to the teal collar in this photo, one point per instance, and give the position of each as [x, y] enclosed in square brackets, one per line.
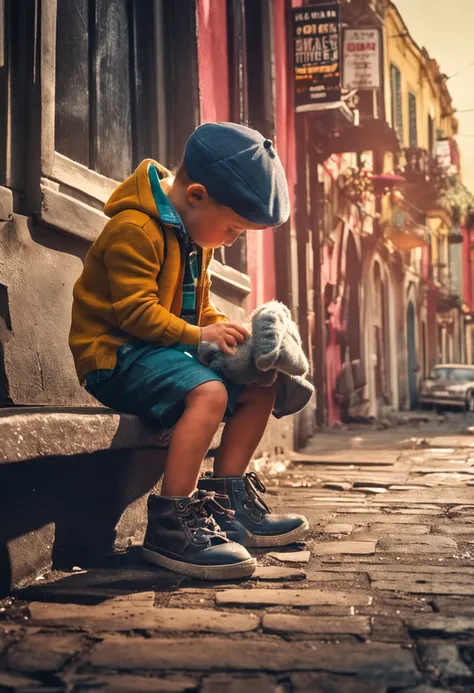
[167, 212]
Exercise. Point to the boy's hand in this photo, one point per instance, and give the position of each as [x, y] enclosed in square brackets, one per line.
[225, 334]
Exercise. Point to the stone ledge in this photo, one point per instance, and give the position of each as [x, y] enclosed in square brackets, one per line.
[6, 204]
[28, 433]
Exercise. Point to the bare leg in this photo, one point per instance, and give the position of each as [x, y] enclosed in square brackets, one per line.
[244, 430]
[192, 437]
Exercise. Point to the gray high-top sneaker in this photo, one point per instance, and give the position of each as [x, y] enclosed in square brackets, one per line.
[183, 536]
[253, 523]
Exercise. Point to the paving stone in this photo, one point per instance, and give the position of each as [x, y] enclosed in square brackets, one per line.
[120, 616]
[15, 682]
[384, 516]
[374, 490]
[327, 683]
[356, 548]
[354, 508]
[434, 541]
[446, 495]
[291, 556]
[99, 584]
[451, 442]
[417, 547]
[443, 660]
[404, 487]
[373, 484]
[338, 485]
[400, 530]
[422, 577]
[423, 588]
[425, 568]
[426, 689]
[278, 573]
[242, 684]
[370, 458]
[338, 528]
[136, 597]
[437, 625]
[366, 660]
[336, 576]
[38, 653]
[291, 597]
[134, 684]
[286, 623]
[452, 529]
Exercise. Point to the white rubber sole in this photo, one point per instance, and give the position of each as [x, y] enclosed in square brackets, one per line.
[244, 569]
[257, 541]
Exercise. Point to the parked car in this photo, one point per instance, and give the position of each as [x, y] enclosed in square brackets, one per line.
[449, 385]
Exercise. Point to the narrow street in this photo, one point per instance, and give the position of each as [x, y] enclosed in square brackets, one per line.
[380, 598]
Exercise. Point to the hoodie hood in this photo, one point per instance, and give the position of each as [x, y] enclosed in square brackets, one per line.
[142, 191]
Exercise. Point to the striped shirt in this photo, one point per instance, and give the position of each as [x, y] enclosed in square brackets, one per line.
[192, 270]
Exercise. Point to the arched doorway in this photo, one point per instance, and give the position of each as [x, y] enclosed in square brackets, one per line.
[380, 336]
[412, 359]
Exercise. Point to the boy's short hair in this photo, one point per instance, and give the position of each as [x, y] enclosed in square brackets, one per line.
[240, 169]
[181, 175]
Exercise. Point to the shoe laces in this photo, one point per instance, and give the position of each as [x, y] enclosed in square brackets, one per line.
[253, 487]
[199, 514]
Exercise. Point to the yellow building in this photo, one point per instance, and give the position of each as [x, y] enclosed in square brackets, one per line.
[419, 108]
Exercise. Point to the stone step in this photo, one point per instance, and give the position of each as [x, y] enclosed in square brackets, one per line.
[73, 486]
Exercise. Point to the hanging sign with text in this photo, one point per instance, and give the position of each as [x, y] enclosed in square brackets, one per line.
[361, 58]
[316, 51]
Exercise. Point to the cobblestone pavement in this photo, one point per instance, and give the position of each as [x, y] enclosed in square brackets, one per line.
[379, 599]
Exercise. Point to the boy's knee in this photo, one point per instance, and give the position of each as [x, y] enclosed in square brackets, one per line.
[211, 395]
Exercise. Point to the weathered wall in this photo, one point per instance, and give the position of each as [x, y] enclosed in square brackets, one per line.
[38, 269]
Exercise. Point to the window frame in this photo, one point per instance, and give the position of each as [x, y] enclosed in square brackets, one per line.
[412, 124]
[64, 193]
[52, 206]
[397, 107]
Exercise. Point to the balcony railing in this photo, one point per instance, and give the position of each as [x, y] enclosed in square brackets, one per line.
[418, 166]
[448, 295]
[427, 181]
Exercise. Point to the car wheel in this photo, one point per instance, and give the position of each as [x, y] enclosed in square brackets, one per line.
[439, 410]
[470, 403]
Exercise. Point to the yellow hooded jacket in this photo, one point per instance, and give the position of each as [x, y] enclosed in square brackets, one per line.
[132, 281]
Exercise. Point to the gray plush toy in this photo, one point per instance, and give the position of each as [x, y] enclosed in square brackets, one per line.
[272, 352]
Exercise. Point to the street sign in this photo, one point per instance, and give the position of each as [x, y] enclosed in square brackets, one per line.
[316, 52]
[361, 58]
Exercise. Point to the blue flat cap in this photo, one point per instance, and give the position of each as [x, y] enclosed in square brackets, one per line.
[241, 170]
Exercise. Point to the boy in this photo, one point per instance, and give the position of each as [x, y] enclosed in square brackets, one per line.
[141, 308]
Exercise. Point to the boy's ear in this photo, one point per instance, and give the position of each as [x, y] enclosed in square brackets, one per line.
[196, 193]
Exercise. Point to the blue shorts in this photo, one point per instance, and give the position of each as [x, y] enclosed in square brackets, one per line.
[153, 382]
